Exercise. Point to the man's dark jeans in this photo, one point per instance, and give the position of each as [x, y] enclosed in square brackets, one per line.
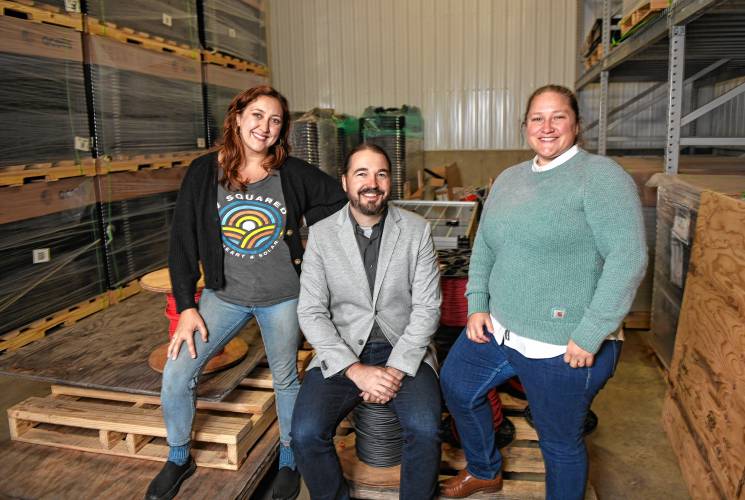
[323, 403]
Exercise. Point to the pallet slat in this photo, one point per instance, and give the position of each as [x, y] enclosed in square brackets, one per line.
[126, 35]
[44, 15]
[15, 339]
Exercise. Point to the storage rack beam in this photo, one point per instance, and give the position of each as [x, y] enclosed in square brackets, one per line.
[722, 99]
[625, 109]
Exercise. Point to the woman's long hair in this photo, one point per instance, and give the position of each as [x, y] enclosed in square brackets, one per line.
[230, 147]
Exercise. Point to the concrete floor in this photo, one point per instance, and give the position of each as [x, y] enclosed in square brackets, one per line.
[630, 456]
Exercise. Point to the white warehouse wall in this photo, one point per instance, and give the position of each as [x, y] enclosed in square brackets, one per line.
[468, 64]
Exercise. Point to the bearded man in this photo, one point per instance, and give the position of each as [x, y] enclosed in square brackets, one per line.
[369, 304]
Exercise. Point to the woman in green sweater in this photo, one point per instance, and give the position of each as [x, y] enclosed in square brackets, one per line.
[558, 256]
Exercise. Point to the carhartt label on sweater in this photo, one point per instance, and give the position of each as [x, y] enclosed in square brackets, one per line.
[557, 313]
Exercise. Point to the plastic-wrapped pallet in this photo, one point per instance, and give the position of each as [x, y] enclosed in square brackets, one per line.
[235, 27]
[314, 138]
[678, 199]
[51, 249]
[399, 131]
[144, 101]
[173, 20]
[43, 117]
[136, 213]
[221, 85]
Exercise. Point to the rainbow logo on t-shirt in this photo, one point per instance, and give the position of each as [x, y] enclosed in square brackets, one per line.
[250, 227]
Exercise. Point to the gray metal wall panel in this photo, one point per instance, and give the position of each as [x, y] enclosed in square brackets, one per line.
[470, 65]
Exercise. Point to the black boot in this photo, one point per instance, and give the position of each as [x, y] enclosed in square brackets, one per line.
[286, 484]
[168, 481]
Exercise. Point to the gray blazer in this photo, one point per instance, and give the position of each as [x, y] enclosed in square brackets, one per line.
[335, 309]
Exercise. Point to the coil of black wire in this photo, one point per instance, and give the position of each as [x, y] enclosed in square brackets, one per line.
[378, 435]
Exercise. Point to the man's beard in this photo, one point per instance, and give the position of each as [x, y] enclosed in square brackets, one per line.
[369, 207]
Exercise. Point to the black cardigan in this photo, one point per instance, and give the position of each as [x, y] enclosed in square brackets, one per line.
[195, 231]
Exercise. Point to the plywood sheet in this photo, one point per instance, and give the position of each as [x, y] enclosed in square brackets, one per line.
[708, 370]
[109, 351]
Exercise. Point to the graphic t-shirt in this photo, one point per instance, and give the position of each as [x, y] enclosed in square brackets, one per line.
[258, 266]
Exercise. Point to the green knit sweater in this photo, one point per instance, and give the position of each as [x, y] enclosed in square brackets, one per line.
[559, 254]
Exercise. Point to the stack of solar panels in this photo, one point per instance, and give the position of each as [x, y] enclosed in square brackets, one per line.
[172, 20]
[314, 137]
[51, 249]
[398, 131]
[234, 27]
[43, 117]
[143, 101]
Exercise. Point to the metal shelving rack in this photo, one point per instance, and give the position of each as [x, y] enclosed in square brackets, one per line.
[694, 41]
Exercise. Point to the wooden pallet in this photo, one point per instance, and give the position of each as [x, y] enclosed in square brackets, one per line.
[595, 57]
[145, 162]
[641, 12]
[523, 468]
[145, 40]
[15, 339]
[231, 62]
[41, 13]
[131, 425]
[16, 175]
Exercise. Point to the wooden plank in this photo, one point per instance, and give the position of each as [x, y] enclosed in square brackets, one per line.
[238, 401]
[706, 375]
[125, 419]
[140, 163]
[15, 339]
[36, 14]
[233, 63]
[140, 39]
[17, 175]
[637, 320]
[118, 362]
[260, 378]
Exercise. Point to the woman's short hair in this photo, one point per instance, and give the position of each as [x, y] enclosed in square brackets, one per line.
[230, 145]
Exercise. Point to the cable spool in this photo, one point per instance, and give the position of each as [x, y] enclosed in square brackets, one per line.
[378, 435]
[454, 272]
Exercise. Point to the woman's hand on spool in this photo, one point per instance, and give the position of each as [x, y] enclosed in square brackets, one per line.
[577, 357]
[475, 327]
[189, 321]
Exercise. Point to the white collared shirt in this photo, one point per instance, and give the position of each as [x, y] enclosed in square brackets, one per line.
[535, 349]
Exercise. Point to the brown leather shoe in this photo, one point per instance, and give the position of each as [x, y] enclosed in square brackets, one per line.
[464, 484]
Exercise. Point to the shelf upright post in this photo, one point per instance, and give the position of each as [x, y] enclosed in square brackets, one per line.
[676, 67]
[604, 77]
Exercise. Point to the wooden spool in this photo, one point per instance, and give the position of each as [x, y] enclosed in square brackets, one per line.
[160, 282]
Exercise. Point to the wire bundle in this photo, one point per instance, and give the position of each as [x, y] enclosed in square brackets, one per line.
[379, 441]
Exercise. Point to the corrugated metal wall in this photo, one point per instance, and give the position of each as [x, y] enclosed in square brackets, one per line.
[468, 64]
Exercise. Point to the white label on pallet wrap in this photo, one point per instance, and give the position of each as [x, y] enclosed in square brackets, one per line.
[72, 5]
[201, 143]
[82, 143]
[682, 225]
[41, 255]
[231, 33]
[167, 20]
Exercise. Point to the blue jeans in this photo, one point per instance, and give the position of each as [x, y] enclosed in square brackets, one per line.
[559, 398]
[281, 335]
[323, 403]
